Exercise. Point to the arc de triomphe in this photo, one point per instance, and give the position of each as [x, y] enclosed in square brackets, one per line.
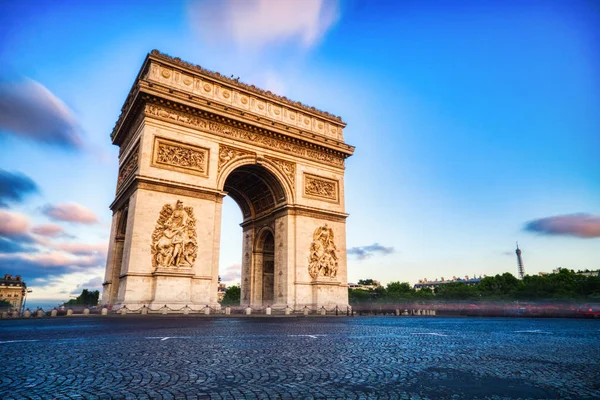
[187, 138]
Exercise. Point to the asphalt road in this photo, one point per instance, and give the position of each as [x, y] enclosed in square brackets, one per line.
[167, 357]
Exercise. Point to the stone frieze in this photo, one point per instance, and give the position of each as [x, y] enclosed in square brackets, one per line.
[260, 139]
[322, 188]
[184, 157]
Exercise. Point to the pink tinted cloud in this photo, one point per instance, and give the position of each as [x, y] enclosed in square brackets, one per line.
[70, 212]
[13, 224]
[578, 225]
[83, 249]
[51, 230]
[55, 259]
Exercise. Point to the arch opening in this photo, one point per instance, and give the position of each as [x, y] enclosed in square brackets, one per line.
[255, 189]
[258, 193]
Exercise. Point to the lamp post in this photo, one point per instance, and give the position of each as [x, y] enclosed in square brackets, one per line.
[25, 300]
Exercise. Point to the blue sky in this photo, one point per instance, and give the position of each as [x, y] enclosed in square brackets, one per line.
[476, 124]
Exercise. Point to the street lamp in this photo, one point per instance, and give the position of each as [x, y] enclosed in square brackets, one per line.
[25, 300]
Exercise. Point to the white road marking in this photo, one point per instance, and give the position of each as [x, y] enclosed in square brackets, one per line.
[532, 331]
[429, 333]
[163, 338]
[17, 341]
[310, 336]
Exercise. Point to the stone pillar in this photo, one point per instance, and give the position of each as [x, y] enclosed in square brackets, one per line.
[69, 312]
[305, 311]
[287, 310]
[323, 311]
[86, 311]
[165, 311]
[104, 311]
[432, 312]
[207, 310]
[186, 310]
[39, 313]
[27, 313]
[268, 311]
[248, 311]
[4, 314]
[144, 310]
[123, 310]
[397, 312]
[53, 313]
[227, 310]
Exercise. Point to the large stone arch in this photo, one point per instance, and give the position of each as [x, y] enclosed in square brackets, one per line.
[189, 137]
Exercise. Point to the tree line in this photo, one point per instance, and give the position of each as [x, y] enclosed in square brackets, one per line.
[564, 285]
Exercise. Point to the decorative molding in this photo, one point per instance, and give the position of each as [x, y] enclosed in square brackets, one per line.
[170, 154]
[176, 188]
[174, 242]
[228, 154]
[254, 138]
[323, 260]
[128, 167]
[235, 82]
[287, 168]
[321, 188]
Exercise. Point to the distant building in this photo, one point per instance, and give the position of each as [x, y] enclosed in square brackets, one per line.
[221, 291]
[13, 290]
[360, 286]
[589, 273]
[424, 283]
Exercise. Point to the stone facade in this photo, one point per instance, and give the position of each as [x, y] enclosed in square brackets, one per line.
[188, 137]
[13, 290]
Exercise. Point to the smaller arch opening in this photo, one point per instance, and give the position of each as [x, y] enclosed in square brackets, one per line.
[266, 250]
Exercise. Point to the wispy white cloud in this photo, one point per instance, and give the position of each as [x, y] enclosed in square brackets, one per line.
[255, 24]
[232, 274]
[28, 109]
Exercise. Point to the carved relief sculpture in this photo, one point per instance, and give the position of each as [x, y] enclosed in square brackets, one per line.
[174, 238]
[320, 187]
[180, 156]
[128, 167]
[227, 154]
[323, 260]
[288, 168]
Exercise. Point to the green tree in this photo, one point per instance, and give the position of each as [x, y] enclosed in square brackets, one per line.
[499, 286]
[232, 296]
[86, 297]
[398, 290]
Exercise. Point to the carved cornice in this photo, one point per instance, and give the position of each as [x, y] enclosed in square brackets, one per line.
[255, 136]
[235, 82]
[163, 186]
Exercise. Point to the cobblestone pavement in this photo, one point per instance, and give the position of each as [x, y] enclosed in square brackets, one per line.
[167, 357]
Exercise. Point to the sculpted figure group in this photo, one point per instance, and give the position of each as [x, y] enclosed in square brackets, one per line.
[323, 260]
[174, 238]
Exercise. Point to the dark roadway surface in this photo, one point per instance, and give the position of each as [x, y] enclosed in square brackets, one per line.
[168, 357]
